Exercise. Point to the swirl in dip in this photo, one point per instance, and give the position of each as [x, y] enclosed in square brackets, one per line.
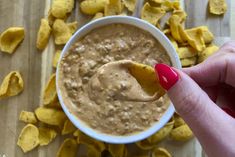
[97, 100]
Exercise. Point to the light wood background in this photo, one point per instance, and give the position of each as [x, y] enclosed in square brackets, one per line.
[36, 66]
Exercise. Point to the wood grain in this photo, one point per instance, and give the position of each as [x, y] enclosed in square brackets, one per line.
[36, 67]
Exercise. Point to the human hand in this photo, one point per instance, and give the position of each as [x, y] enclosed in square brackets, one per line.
[193, 90]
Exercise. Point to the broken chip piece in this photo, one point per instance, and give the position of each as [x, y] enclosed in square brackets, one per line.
[68, 148]
[217, 7]
[50, 94]
[56, 58]
[186, 52]
[114, 7]
[43, 34]
[92, 7]
[11, 38]
[68, 127]
[130, 4]
[28, 138]
[181, 133]
[98, 15]
[151, 141]
[11, 85]
[61, 32]
[28, 117]
[207, 52]
[117, 150]
[51, 116]
[60, 8]
[46, 135]
[152, 14]
[160, 152]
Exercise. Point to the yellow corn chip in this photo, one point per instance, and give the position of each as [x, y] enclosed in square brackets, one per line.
[60, 8]
[56, 58]
[46, 135]
[148, 81]
[51, 116]
[195, 39]
[217, 7]
[186, 52]
[206, 34]
[176, 27]
[114, 7]
[11, 38]
[68, 127]
[90, 142]
[178, 120]
[159, 1]
[152, 14]
[168, 5]
[181, 14]
[68, 148]
[181, 133]
[50, 94]
[98, 15]
[43, 34]
[28, 138]
[28, 117]
[73, 26]
[145, 144]
[92, 7]
[162, 133]
[207, 52]
[174, 43]
[76, 133]
[167, 31]
[188, 61]
[11, 85]
[117, 150]
[152, 141]
[61, 32]
[92, 152]
[50, 18]
[160, 152]
[130, 4]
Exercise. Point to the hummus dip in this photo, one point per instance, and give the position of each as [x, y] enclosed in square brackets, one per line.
[97, 99]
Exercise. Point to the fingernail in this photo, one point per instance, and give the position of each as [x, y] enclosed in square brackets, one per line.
[229, 111]
[167, 76]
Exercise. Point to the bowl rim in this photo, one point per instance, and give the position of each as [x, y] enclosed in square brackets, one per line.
[164, 41]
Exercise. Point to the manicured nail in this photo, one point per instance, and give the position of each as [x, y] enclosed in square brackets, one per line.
[167, 76]
[229, 111]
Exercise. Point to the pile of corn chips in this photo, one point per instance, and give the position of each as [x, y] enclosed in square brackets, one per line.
[193, 45]
[43, 125]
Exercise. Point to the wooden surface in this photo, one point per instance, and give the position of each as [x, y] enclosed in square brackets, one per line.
[36, 66]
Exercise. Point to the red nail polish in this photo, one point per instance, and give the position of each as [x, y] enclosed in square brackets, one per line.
[229, 111]
[167, 76]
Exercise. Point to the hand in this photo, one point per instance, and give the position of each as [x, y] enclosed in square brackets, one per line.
[193, 92]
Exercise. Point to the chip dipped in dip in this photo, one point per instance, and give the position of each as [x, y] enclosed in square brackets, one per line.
[101, 102]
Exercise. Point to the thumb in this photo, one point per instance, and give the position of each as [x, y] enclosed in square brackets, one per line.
[205, 118]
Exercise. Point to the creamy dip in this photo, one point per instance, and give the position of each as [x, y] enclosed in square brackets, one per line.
[105, 98]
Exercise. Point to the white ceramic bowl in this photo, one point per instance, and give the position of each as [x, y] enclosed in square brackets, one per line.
[164, 42]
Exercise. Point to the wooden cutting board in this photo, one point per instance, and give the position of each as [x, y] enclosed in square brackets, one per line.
[36, 67]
